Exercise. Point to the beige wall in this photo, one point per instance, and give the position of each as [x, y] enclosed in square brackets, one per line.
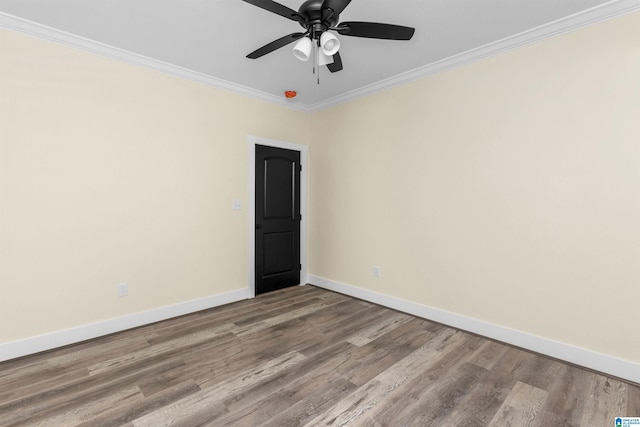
[506, 190]
[112, 173]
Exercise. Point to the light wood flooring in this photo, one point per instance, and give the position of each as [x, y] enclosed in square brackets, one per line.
[304, 356]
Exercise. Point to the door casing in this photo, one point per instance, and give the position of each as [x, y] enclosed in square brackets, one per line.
[251, 212]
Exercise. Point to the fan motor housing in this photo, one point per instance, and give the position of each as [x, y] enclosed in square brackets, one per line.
[312, 11]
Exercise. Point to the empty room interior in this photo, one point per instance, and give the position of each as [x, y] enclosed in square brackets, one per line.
[467, 224]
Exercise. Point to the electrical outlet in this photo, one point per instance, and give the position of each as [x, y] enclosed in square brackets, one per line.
[377, 273]
[123, 289]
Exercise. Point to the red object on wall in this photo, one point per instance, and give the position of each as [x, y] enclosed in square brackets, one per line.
[290, 94]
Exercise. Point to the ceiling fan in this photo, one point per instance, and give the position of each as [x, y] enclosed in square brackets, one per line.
[318, 18]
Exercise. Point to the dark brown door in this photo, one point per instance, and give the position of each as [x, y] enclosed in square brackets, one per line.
[277, 218]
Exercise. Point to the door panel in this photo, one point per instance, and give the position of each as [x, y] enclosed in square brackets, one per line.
[277, 214]
[278, 253]
[279, 187]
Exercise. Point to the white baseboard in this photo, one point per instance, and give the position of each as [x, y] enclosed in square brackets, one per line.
[27, 346]
[609, 365]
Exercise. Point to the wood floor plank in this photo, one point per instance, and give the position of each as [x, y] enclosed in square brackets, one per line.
[521, 407]
[318, 400]
[633, 401]
[303, 356]
[266, 314]
[78, 415]
[194, 326]
[441, 404]
[570, 391]
[488, 355]
[250, 351]
[489, 395]
[124, 414]
[481, 403]
[199, 405]
[314, 369]
[34, 384]
[537, 371]
[281, 318]
[402, 406]
[607, 400]
[167, 349]
[286, 297]
[50, 402]
[355, 407]
[21, 377]
[340, 322]
[307, 394]
[378, 329]
[388, 349]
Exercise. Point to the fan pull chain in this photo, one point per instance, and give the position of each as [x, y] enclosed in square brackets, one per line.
[313, 40]
[318, 59]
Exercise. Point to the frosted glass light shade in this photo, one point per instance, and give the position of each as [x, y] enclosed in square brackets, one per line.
[302, 49]
[329, 43]
[324, 59]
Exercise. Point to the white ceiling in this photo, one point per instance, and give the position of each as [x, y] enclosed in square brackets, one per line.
[209, 39]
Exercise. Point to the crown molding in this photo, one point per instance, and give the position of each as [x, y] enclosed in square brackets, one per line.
[603, 12]
[14, 23]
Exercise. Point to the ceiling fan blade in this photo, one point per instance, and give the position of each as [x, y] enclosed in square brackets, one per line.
[375, 30]
[274, 45]
[337, 6]
[337, 63]
[276, 8]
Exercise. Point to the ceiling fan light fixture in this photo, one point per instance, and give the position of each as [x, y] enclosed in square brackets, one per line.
[329, 43]
[320, 20]
[302, 49]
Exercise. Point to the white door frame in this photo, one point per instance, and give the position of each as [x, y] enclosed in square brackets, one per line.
[251, 214]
